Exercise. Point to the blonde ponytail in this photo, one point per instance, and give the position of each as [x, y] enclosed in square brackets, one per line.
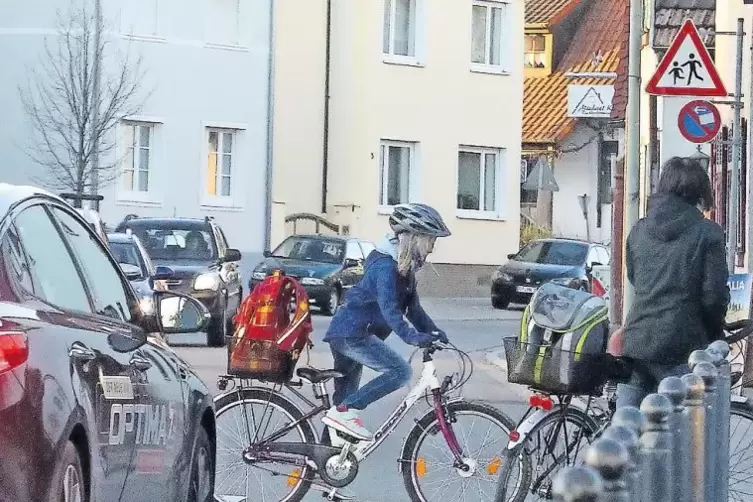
[409, 247]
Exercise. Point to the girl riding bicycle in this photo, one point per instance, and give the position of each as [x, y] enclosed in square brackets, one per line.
[377, 306]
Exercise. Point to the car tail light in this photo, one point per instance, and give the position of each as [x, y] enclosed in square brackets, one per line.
[14, 350]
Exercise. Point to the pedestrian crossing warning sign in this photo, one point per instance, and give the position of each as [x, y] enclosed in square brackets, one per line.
[687, 68]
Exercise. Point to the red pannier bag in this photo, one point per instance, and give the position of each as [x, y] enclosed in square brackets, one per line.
[272, 327]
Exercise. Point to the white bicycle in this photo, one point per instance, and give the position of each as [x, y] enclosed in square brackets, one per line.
[287, 447]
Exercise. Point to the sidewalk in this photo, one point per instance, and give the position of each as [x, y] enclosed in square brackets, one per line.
[466, 309]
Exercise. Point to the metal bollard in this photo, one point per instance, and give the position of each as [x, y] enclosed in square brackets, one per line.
[679, 424]
[629, 439]
[697, 416]
[709, 374]
[610, 459]
[577, 484]
[632, 418]
[656, 449]
[721, 348]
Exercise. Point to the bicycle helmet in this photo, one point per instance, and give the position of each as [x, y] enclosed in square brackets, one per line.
[418, 219]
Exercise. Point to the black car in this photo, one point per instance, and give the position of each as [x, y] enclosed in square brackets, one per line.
[138, 268]
[203, 265]
[326, 266]
[563, 261]
[91, 406]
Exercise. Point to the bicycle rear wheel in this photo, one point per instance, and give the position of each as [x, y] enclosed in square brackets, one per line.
[244, 418]
[740, 461]
[539, 453]
[426, 454]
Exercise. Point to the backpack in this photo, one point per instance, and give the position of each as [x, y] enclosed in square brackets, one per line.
[562, 344]
[273, 325]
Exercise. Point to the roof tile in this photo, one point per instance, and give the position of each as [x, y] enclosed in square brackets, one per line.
[545, 117]
[542, 11]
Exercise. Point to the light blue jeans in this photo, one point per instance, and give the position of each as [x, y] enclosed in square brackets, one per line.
[351, 355]
[645, 380]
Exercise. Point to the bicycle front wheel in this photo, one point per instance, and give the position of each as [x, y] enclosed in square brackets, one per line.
[244, 418]
[427, 462]
[740, 461]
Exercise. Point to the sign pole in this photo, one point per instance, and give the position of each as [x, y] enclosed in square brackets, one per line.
[633, 132]
[748, 178]
[734, 216]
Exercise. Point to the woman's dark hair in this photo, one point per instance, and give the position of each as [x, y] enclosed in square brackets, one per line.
[687, 179]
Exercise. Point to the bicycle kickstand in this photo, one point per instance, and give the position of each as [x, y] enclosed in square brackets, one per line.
[332, 494]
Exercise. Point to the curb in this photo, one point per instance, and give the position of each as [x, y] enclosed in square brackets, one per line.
[497, 358]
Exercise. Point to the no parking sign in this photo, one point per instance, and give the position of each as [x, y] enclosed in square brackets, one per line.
[699, 121]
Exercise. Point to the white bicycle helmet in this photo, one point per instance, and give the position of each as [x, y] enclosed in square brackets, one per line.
[418, 219]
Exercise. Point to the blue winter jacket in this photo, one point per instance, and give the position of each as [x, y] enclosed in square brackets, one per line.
[378, 303]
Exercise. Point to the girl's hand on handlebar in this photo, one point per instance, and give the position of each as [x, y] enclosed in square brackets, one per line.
[441, 336]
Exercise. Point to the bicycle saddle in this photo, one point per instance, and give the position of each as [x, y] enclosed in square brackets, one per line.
[314, 375]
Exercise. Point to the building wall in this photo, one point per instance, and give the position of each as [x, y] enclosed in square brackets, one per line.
[205, 66]
[577, 174]
[437, 102]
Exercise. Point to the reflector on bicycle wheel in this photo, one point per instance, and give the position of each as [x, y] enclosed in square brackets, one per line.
[421, 467]
[493, 466]
[293, 477]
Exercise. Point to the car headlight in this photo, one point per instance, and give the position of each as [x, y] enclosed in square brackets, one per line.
[498, 275]
[312, 281]
[564, 281]
[259, 276]
[204, 282]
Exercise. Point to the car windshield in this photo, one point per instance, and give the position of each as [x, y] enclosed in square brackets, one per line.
[319, 250]
[178, 242]
[127, 253]
[553, 253]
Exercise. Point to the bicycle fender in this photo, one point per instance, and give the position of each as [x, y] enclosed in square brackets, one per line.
[235, 391]
[528, 424]
[738, 399]
[430, 411]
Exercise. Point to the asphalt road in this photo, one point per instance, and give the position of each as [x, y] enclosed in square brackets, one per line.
[379, 479]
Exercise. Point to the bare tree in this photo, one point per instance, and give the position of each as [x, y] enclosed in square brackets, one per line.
[74, 120]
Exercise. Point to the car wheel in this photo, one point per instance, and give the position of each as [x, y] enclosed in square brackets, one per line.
[68, 482]
[333, 303]
[217, 331]
[500, 303]
[201, 487]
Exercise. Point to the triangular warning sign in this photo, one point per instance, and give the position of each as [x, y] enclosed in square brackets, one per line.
[687, 68]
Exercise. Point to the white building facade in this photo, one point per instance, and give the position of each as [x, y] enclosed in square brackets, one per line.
[200, 144]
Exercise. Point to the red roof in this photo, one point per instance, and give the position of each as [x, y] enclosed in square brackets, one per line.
[545, 117]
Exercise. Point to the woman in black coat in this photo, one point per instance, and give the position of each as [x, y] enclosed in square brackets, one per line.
[676, 262]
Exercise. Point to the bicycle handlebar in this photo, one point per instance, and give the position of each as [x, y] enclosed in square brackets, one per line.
[738, 330]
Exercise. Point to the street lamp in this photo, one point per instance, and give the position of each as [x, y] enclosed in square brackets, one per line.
[701, 158]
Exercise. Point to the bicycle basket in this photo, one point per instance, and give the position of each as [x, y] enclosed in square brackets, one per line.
[272, 328]
[550, 369]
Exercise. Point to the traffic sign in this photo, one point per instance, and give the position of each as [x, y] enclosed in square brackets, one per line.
[687, 69]
[699, 121]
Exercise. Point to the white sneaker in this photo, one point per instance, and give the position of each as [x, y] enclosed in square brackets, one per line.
[347, 422]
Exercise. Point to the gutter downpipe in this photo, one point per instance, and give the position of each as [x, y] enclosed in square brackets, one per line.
[325, 132]
[270, 130]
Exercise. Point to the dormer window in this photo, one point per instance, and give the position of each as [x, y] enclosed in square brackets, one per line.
[535, 51]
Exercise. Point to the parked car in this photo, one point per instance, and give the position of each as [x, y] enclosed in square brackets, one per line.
[326, 266]
[203, 265]
[138, 268]
[563, 261]
[92, 407]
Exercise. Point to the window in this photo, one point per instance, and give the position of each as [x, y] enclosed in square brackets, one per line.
[593, 257]
[176, 241]
[553, 253]
[16, 263]
[137, 161]
[477, 179]
[535, 52]
[51, 264]
[220, 162]
[603, 255]
[396, 162]
[307, 249]
[108, 293]
[486, 33]
[353, 251]
[399, 27]
[129, 254]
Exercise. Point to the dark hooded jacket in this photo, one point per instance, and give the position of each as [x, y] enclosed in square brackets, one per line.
[676, 262]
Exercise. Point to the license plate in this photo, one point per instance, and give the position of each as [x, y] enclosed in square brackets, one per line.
[526, 289]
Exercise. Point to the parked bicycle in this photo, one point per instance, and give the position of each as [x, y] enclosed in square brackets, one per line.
[253, 442]
[557, 428]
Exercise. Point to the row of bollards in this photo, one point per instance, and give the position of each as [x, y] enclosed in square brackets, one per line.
[675, 448]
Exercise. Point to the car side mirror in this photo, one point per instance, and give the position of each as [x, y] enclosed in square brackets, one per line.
[267, 254]
[131, 272]
[351, 262]
[162, 273]
[178, 313]
[511, 256]
[232, 255]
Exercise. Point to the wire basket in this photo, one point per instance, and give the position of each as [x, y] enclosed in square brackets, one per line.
[260, 360]
[549, 369]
